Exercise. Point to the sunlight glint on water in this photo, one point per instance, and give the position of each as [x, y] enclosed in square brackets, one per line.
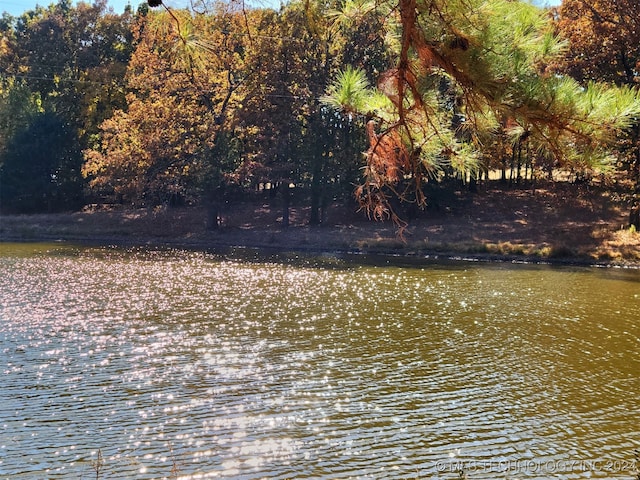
[178, 361]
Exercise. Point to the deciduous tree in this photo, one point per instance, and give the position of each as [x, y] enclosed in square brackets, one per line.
[183, 77]
[67, 64]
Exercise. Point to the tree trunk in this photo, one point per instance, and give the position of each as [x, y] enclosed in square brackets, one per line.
[473, 183]
[314, 215]
[286, 202]
[323, 209]
[213, 216]
[512, 167]
[634, 217]
[214, 200]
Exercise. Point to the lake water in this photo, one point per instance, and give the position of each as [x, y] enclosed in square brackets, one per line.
[174, 364]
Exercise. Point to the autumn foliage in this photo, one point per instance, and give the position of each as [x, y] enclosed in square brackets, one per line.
[167, 106]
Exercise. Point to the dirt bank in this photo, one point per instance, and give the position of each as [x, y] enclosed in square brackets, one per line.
[557, 223]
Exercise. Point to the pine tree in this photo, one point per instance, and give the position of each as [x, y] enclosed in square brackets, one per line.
[466, 71]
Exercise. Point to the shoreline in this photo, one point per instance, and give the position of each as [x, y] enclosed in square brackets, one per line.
[367, 245]
[396, 258]
[557, 224]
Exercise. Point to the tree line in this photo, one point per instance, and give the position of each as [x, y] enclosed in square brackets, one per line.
[392, 100]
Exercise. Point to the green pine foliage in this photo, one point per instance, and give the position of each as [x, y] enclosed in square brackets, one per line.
[470, 71]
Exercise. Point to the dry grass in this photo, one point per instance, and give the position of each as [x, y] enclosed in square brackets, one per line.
[622, 245]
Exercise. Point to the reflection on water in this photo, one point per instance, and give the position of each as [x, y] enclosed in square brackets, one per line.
[188, 365]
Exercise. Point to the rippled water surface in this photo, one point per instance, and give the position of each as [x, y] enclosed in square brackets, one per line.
[174, 364]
